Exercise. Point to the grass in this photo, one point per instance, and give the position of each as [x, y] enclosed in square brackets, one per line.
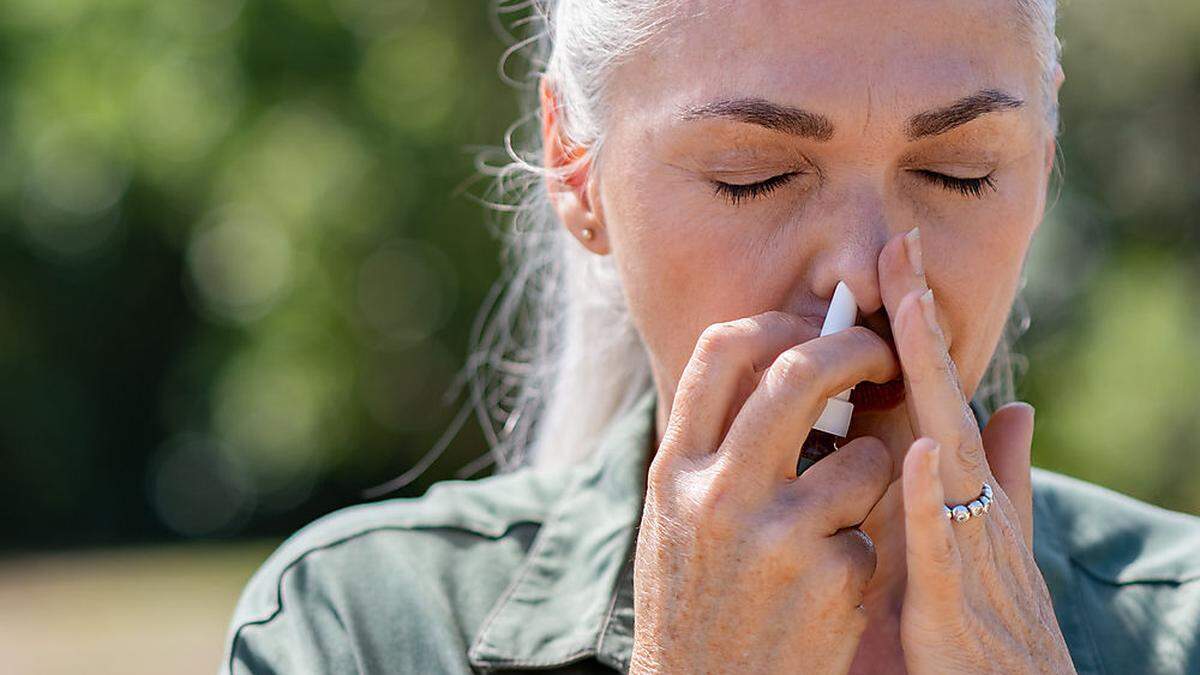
[161, 609]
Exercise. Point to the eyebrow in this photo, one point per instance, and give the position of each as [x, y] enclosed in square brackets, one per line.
[800, 122]
[764, 113]
[940, 120]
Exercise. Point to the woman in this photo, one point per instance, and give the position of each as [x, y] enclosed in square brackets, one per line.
[712, 170]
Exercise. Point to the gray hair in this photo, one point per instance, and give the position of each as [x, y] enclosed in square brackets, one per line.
[555, 355]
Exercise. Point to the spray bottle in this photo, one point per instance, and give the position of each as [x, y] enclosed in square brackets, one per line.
[834, 421]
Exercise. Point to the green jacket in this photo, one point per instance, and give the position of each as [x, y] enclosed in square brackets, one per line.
[532, 570]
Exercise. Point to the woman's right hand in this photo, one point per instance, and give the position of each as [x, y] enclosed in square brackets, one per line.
[740, 565]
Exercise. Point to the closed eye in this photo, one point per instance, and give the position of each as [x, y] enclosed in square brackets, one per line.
[735, 193]
[972, 187]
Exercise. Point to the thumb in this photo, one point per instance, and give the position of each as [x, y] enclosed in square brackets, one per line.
[1007, 441]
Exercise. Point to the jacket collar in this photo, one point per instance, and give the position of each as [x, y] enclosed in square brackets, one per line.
[572, 599]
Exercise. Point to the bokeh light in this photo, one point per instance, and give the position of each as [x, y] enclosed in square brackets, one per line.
[237, 277]
[242, 264]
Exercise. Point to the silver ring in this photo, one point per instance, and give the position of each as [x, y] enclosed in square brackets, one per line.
[976, 508]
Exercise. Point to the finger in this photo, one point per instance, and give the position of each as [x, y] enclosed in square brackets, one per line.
[1007, 439]
[722, 371]
[900, 272]
[937, 406]
[931, 551]
[839, 491]
[854, 563]
[765, 438]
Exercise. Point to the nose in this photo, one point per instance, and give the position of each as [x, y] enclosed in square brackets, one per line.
[855, 227]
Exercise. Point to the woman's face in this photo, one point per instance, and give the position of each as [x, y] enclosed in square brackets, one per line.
[855, 121]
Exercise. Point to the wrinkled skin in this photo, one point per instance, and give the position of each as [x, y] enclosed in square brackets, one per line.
[742, 566]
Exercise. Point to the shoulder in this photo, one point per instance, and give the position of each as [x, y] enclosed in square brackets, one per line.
[1124, 574]
[384, 585]
[1117, 538]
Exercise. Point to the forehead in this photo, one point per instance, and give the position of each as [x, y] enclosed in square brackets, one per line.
[864, 63]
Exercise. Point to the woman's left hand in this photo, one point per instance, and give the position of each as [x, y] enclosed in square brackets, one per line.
[974, 600]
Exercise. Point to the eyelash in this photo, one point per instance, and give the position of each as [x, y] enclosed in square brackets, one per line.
[972, 187]
[734, 194]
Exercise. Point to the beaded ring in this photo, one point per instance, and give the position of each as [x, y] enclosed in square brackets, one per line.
[976, 508]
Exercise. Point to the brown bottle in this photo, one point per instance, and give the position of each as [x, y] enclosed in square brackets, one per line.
[815, 447]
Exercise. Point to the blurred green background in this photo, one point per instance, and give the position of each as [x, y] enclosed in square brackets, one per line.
[239, 264]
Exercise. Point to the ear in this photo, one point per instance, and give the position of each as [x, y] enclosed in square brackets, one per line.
[1059, 76]
[569, 186]
[1051, 148]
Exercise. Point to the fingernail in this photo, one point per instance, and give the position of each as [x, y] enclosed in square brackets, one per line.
[930, 312]
[912, 245]
[934, 459]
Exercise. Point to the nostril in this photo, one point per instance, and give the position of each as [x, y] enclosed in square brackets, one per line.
[879, 323]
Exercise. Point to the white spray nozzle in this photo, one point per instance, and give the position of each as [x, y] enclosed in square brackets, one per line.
[842, 314]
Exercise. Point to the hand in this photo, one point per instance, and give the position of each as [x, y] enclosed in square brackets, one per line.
[975, 600]
[742, 566]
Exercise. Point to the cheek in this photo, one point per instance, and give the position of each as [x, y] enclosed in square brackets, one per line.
[683, 266]
[975, 267]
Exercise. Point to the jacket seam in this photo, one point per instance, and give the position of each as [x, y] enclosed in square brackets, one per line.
[303, 555]
[1110, 580]
[612, 608]
[577, 655]
[480, 642]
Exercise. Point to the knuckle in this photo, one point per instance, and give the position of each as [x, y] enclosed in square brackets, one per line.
[879, 360]
[851, 569]
[714, 511]
[797, 368]
[660, 478]
[866, 337]
[968, 425]
[775, 316]
[723, 337]
[944, 368]
[970, 456]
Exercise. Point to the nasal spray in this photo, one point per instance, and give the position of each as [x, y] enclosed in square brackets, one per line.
[834, 421]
